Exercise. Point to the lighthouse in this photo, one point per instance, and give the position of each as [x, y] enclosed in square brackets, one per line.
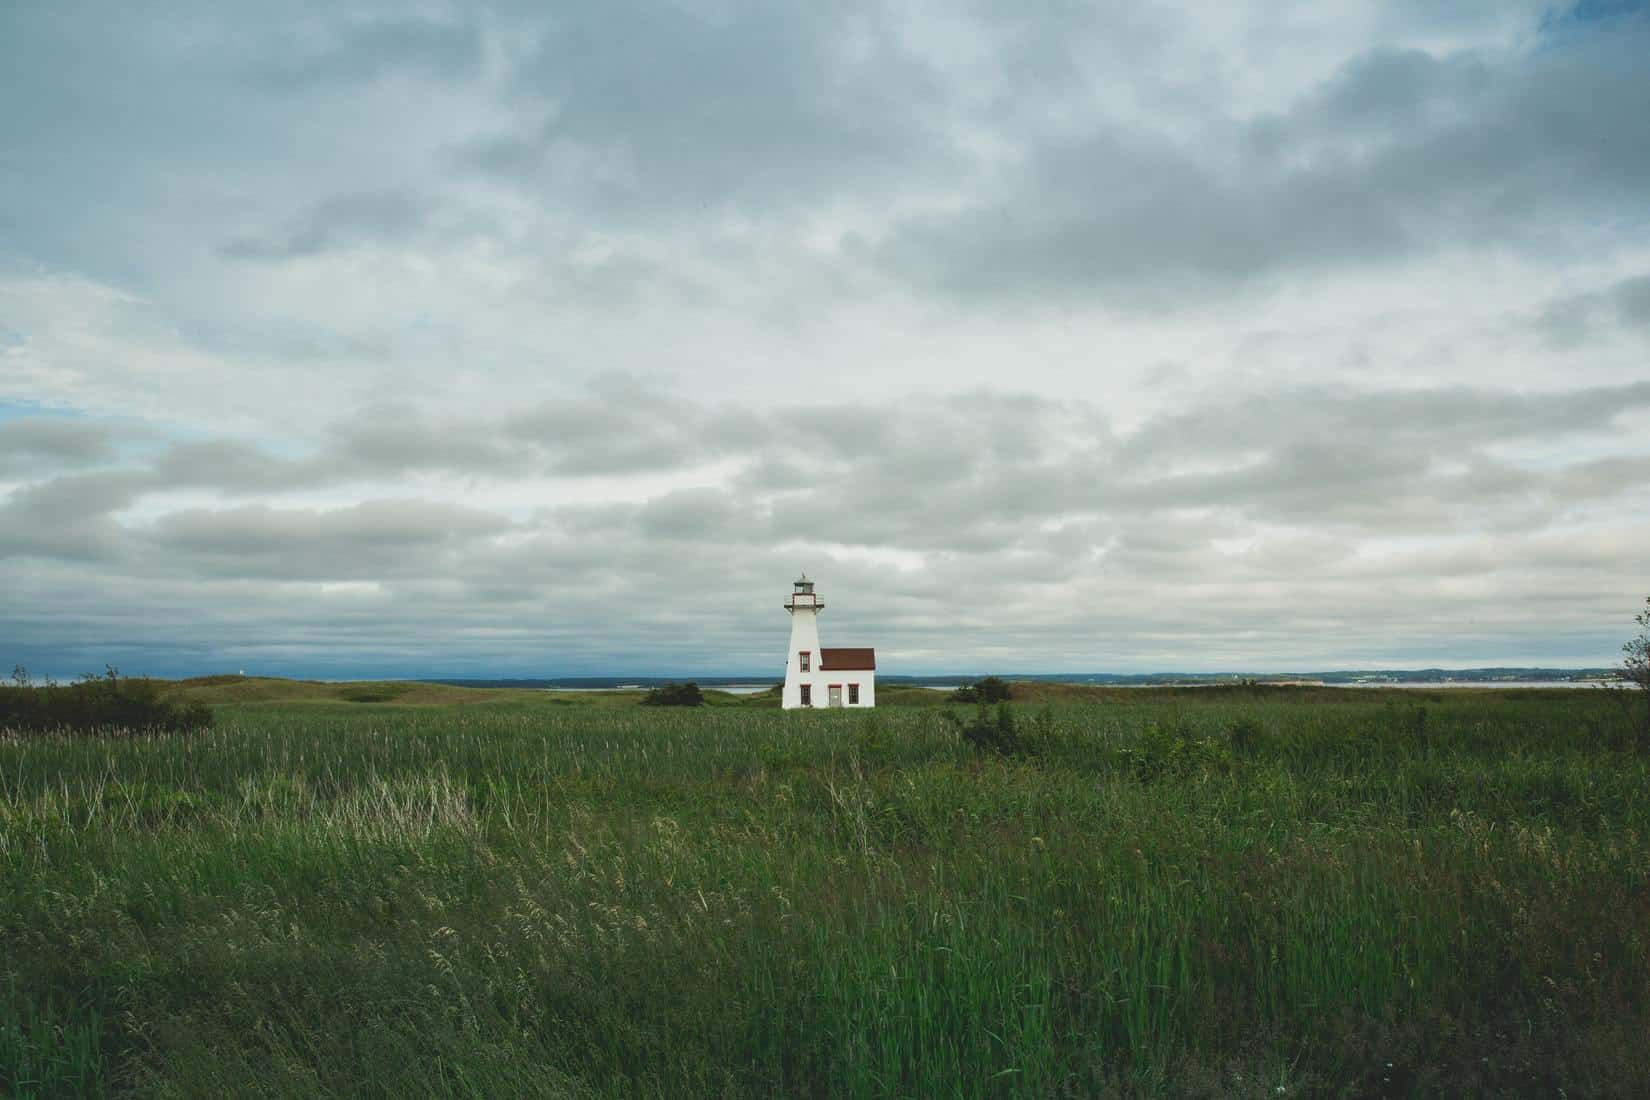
[819, 677]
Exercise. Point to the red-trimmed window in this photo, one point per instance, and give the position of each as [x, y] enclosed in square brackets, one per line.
[804, 655]
[853, 695]
[807, 695]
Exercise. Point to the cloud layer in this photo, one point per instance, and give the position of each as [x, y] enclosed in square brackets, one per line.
[505, 340]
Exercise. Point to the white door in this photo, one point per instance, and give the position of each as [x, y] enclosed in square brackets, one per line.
[836, 695]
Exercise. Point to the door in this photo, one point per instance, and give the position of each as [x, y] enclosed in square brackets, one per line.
[836, 695]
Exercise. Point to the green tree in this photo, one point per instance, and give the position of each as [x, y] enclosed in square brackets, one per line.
[1635, 661]
[992, 689]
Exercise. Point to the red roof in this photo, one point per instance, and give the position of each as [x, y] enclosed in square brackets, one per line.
[847, 660]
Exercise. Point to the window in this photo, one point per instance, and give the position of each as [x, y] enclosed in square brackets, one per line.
[807, 696]
[804, 656]
[853, 695]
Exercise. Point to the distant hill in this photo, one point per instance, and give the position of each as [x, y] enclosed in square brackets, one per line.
[272, 689]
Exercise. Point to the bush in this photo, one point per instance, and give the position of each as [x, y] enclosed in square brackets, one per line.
[990, 733]
[675, 695]
[1242, 735]
[992, 689]
[1170, 753]
[96, 704]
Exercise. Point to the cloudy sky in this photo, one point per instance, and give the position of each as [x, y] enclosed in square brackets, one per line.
[555, 339]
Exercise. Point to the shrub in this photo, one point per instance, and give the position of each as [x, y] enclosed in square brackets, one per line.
[1169, 752]
[675, 695]
[992, 689]
[1242, 736]
[1635, 662]
[95, 704]
[990, 733]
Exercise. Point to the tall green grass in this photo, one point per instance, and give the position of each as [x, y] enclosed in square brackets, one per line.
[1382, 894]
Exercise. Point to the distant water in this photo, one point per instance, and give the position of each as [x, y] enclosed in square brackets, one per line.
[1431, 685]
[731, 689]
[1407, 685]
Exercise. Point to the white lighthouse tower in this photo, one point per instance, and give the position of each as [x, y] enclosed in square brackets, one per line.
[819, 677]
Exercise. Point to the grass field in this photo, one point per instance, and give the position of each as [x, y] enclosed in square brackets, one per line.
[393, 890]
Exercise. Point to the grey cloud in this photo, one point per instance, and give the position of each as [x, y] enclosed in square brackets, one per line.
[1440, 421]
[383, 441]
[1604, 477]
[602, 437]
[624, 428]
[976, 473]
[72, 498]
[68, 517]
[690, 513]
[742, 106]
[1632, 300]
[1378, 96]
[844, 431]
[363, 541]
[57, 442]
[338, 222]
[393, 522]
[1416, 462]
[1130, 215]
[373, 49]
[616, 432]
[1412, 461]
[229, 465]
[1400, 153]
[1575, 318]
[398, 439]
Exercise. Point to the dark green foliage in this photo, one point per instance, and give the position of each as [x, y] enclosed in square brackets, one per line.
[991, 689]
[95, 704]
[991, 733]
[1174, 752]
[1635, 663]
[1243, 736]
[675, 695]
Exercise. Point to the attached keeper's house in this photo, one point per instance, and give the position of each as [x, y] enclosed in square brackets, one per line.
[816, 677]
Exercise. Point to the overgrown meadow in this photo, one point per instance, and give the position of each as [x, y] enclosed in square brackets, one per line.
[1249, 893]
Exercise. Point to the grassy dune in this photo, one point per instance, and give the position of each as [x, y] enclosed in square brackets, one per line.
[271, 689]
[1194, 893]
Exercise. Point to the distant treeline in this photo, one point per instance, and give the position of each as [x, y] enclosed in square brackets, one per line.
[95, 704]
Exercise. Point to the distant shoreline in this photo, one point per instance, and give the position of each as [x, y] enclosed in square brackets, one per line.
[1365, 678]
